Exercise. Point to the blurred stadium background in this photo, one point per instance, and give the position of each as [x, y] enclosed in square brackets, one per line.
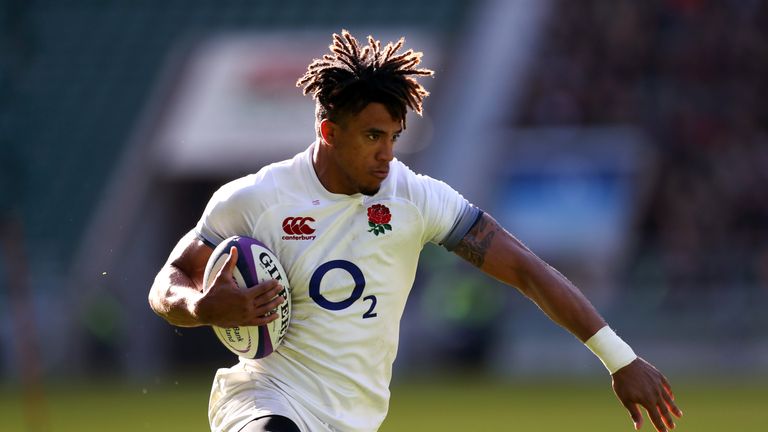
[624, 141]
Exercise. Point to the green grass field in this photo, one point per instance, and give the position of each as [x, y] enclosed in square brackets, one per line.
[447, 405]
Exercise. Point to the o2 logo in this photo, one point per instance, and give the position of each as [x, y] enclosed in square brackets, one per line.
[357, 291]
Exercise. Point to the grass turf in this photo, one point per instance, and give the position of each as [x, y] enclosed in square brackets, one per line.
[417, 405]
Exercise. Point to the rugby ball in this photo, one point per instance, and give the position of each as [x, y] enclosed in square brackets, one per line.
[255, 264]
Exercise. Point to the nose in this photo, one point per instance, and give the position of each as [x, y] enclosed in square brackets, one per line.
[387, 150]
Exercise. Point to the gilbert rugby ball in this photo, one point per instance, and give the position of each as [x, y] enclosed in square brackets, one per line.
[255, 264]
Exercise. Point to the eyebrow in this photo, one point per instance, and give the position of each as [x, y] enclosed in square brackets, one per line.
[383, 132]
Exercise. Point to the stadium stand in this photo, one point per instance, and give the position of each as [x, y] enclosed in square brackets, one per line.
[692, 75]
[75, 76]
[78, 73]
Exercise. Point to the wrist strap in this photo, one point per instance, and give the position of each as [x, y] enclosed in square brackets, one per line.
[610, 349]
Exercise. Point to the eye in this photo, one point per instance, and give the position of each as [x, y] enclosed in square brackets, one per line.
[395, 137]
[372, 136]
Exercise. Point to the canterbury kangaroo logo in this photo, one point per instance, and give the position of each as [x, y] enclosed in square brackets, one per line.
[298, 225]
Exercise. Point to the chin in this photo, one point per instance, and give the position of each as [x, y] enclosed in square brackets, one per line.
[370, 191]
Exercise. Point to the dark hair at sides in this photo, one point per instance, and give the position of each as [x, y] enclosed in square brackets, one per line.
[347, 80]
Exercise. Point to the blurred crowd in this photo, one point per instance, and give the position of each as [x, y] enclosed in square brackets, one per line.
[692, 75]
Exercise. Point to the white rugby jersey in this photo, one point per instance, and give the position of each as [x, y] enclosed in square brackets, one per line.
[351, 261]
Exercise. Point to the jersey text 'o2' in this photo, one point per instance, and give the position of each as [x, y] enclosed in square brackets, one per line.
[357, 291]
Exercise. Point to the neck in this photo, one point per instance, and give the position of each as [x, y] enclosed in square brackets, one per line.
[324, 164]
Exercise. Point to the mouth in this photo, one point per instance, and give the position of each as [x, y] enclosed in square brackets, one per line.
[381, 174]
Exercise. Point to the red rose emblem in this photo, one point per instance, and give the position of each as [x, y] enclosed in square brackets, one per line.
[379, 214]
[378, 219]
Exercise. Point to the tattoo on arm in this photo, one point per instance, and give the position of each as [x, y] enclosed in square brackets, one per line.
[476, 243]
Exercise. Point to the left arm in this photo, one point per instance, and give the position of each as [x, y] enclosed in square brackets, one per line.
[498, 253]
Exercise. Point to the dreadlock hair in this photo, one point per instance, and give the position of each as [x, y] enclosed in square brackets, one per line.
[347, 80]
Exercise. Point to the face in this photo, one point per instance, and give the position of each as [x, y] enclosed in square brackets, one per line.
[360, 149]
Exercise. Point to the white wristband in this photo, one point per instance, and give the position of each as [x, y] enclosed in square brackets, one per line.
[610, 349]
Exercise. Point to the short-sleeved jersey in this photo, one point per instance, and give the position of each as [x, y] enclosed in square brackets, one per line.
[351, 261]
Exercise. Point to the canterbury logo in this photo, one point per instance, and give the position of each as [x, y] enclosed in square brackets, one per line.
[298, 225]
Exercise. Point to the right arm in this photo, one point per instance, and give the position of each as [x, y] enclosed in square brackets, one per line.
[179, 296]
[498, 253]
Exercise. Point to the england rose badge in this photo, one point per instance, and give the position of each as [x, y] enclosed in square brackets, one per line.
[379, 218]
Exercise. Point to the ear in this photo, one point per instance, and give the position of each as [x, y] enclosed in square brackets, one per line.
[328, 131]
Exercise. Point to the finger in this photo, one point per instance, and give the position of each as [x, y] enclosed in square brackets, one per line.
[655, 417]
[270, 297]
[225, 272]
[263, 288]
[267, 308]
[634, 413]
[666, 415]
[231, 260]
[667, 386]
[261, 320]
[229, 265]
[669, 401]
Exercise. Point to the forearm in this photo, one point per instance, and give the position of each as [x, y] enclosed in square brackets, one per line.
[553, 293]
[566, 305]
[499, 254]
[173, 297]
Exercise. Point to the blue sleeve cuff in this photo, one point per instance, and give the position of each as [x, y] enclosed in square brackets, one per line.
[205, 240]
[466, 220]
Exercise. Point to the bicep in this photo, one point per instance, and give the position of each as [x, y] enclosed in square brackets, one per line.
[190, 256]
[495, 251]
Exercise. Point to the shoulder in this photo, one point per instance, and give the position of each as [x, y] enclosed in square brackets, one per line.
[439, 206]
[242, 188]
[415, 186]
[236, 207]
[264, 182]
